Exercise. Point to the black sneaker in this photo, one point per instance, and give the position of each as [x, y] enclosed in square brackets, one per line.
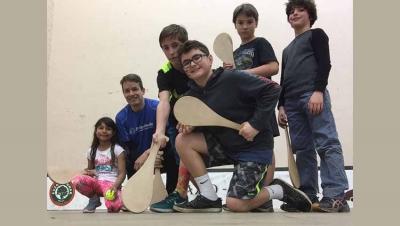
[331, 205]
[349, 195]
[290, 208]
[200, 205]
[294, 196]
[264, 208]
[225, 208]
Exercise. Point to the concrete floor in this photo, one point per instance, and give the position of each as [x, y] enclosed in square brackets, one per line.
[279, 218]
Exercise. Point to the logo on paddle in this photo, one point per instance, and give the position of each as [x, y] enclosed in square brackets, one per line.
[61, 194]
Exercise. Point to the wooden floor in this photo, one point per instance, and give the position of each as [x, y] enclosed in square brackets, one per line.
[279, 218]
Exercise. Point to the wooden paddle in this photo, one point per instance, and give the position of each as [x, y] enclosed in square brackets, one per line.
[159, 192]
[293, 172]
[223, 48]
[62, 175]
[138, 192]
[193, 112]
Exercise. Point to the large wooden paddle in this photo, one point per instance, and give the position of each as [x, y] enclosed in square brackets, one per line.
[64, 162]
[138, 192]
[293, 172]
[193, 112]
[223, 48]
[62, 175]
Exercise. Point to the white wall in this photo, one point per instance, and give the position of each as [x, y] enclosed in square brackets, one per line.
[92, 44]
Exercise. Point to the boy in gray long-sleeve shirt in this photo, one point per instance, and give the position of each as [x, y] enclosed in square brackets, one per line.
[305, 105]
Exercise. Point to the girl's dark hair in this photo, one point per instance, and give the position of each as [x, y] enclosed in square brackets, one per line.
[308, 5]
[246, 9]
[114, 139]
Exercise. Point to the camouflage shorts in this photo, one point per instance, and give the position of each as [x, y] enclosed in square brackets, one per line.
[248, 177]
[247, 180]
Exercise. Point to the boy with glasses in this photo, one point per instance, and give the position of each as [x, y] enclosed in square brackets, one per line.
[243, 98]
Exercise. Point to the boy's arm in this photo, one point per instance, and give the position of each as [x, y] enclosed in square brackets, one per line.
[265, 70]
[163, 110]
[267, 58]
[320, 45]
[266, 93]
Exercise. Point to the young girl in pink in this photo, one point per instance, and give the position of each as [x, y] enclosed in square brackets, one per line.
[106, 168]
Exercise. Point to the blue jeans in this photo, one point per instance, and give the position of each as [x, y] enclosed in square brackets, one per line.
[312, 134]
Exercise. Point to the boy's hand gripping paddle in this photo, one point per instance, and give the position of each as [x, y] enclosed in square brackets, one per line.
[223, 48]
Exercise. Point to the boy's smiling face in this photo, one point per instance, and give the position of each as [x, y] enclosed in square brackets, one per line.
[245, 27]
[199, 66]
[299, 18]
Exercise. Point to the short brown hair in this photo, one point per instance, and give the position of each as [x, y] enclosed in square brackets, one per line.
[174, 31]
[132, 78]
[246, 9]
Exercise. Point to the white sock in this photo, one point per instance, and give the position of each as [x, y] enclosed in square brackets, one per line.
[206, 188]
[275, 191]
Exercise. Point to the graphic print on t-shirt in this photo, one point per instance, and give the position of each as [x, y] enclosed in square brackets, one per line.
[244, 59]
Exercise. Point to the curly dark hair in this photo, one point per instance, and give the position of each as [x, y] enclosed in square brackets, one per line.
[308, 5]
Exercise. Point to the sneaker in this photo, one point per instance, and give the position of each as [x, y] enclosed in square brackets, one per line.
[94, 202]
[349, 195]
[264, 208]
[200, 205]
[165, 206]
[225, 208]
[294, 196]
[290, 208]
[331, 205]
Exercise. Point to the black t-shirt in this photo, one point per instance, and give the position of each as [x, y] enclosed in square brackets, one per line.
[254, 54]
[171, 80]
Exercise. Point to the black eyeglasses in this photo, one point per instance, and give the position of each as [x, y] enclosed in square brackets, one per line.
[195, 59]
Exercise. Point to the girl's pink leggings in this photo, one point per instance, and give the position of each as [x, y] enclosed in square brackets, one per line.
[89, 186]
